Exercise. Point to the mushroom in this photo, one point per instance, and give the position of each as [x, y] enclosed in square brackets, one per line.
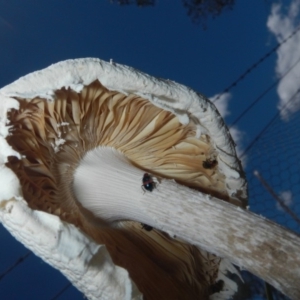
[76, 140]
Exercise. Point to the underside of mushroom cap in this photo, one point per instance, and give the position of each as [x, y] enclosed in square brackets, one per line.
[53, 136]
[187, 140]
[161, 127]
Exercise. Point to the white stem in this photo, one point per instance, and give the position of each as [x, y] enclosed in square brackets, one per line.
[107, 184]
[249, 241]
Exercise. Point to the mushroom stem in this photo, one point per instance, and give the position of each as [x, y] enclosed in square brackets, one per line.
[249, 241]
[109, 185]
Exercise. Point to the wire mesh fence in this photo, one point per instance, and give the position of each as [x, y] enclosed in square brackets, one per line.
[273, 173]
[274, 161]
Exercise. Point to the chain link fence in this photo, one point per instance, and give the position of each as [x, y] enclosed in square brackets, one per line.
[273, 173]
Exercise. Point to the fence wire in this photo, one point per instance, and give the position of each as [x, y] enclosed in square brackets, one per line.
[275, 157]
[273, 173]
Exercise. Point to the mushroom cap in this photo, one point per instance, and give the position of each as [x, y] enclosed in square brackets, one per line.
[52, 118]
[110, 80]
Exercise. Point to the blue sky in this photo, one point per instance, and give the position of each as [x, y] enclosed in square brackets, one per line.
[163, 42]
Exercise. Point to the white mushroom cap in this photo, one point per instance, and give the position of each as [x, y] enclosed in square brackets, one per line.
[47, 122]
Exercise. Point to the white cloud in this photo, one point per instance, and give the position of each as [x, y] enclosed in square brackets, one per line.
[282, 22]
[222, 105]
[287, 198]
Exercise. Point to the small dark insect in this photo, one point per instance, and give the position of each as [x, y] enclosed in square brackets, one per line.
[209, 164]
[146, 227]
[148, 183]
[217, 287]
